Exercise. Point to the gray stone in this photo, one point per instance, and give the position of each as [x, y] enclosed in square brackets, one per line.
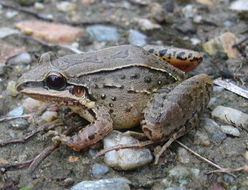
[19, 124]
[103, 184]
[103, 33]
[99, 169]
[230, 116]
[182, 172]
[239, 5]
[24, 58]
[136, 38]
[4, 32]
[125, 159]
[230, 130]
[183, 156]
[18, 111]
[218, 137]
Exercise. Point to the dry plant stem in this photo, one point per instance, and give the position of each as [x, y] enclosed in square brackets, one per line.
[230, 170]
[15, 166]
[40, 157]
[231, 87]
[39, 129]
[165, 146]
[7, 118]
[198, 155]
[118, 147]
[240, 42]
[47, 151]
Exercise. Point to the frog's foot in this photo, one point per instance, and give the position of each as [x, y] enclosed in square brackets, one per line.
[91, 134]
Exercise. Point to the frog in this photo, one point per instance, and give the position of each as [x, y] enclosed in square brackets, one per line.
[119, 88]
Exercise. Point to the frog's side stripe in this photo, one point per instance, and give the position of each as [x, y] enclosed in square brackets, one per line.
[133, 65]
[183, 59]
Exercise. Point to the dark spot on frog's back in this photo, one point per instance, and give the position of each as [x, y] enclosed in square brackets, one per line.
[180, 56]
[135, 76]
[162, 52]
[120, 54]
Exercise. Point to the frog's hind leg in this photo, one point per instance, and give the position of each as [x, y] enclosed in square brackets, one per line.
[92, 133]
[170, 115]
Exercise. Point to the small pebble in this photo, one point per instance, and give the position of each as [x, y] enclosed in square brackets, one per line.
[103, 33]
[230, 130]
[19, 124]
[157, 12]
[66, 6]
[4, 32]
[239, 5]
[246, 155]
[16, 112]
[229, 179]
[183, 156]
[39, 6]
[49, 116]
[31, 105]
[68, 182]
[189, 11]
[23, 58]
[136, 38]
[206, 2]
[224, 43]
[182, 172]
[104, 184]
[99, 169]
[230, 116]
[201, 138]
[11, 88]
[73, 159]
[11, 14]
[218, 137]
[210, 126]
[125, 159]
[146, 24]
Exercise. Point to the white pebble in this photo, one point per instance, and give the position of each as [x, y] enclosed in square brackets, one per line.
[49, 116]
[11, 88]
[125, 159]
[230, 116]
[31, 105]
[230, 130]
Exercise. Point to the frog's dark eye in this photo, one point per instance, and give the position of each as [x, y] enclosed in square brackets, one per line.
[55, 81]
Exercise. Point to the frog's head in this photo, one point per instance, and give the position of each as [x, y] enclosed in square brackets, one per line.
[48, 83]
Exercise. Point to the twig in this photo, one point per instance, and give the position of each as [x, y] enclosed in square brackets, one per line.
[202, 158]
[231, 87]
[7, 118]
[240, 42]
[40, 157]
[229, 170]
[47, 151]
[39, 129]
[123, 146]
[15, 166]
[198, 155]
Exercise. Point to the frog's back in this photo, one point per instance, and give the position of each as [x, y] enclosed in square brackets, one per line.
[113, 58]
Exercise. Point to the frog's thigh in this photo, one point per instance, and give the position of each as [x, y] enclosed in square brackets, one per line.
[166, 112]
[92, 133]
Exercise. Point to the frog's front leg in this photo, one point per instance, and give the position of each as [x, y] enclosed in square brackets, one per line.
[167, 113]
[91, 134]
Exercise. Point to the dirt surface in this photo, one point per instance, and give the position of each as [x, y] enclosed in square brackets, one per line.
[58, 171]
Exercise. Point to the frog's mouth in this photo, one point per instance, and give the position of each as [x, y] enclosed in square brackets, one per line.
[70, 96]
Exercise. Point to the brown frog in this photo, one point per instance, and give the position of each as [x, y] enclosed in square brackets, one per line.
[121, 87]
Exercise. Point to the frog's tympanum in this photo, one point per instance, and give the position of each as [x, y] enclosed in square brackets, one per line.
[120, 87]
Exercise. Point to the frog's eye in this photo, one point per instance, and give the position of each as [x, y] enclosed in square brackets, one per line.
[55, 81]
